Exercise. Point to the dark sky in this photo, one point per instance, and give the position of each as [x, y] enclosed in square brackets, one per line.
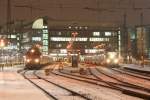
[72, 11]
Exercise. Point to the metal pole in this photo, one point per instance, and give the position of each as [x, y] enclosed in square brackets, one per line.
[142, 41]
[8, 16]
[125, 36]
[2, 58]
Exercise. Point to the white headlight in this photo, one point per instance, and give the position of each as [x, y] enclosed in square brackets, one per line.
[108, 60]
[36, 60]
[112, 56]
[116, 61]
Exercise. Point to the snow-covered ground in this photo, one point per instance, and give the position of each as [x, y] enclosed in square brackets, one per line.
[14, 87]
[137, 67]
[92, 91]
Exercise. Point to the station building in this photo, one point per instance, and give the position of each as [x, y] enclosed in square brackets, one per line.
[88, 40]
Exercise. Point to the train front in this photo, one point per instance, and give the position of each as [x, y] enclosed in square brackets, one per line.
[32, 59]
[112, 59]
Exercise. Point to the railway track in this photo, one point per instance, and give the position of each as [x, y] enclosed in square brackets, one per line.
[95, 83]
[60, 86]
[39, 87]
[137, 73]
[93, 79]
[130, 91]
[110, 85]
[123, 80]
[101, 83]
[70, 92]
[131, 74]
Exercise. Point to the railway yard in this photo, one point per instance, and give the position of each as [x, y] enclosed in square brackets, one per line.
[90, 83]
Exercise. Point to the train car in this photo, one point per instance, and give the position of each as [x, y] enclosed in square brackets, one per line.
[112, 59]
[105, 59]
[34, 59]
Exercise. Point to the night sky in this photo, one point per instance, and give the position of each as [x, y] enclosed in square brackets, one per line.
[65, 12]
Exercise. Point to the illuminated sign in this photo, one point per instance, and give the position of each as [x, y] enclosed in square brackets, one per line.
[67, 39]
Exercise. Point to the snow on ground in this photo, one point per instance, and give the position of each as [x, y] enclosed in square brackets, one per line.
[92, 91]
[58, 92]
[127, 78]
[14, 87]
[138, 67]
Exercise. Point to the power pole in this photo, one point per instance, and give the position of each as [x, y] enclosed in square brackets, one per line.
[125, 38]
[142, 40]
[8, 17]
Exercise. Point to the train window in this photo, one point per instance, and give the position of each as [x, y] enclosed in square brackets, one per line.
[108, 34]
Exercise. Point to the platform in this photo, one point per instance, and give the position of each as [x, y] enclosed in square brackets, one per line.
[139, 68]
[14, 87]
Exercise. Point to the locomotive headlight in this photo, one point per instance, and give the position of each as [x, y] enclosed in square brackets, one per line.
[36, 60]
[108, 60]
[116, 61]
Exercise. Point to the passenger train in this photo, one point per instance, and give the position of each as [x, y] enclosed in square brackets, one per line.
[34, 59]
[106, 59]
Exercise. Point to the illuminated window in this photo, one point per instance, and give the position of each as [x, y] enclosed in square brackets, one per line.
[59, 45]
[107, 33]
[45, 36]
[67, 39]
[90, 50]
[13, 36]
[17, 38]
[63, 51]
[45, 42]
[36, 38]
[99, 39]
[96, 33]
[18, 44]
[45, 48]
[45, 31]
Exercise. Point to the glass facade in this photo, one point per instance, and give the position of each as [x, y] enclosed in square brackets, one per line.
[85, 40]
